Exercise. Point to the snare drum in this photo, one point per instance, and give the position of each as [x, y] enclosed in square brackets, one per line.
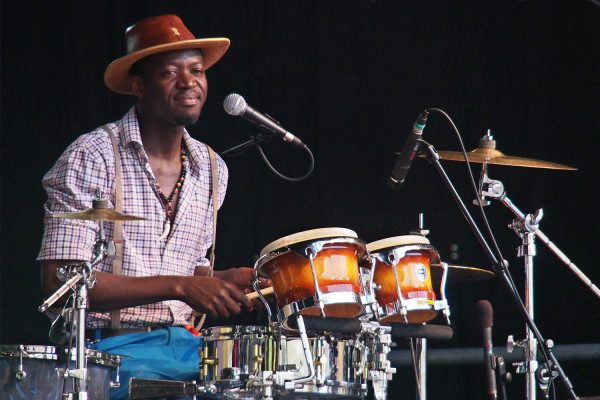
[230, 355]
[340, 367]
[36, 372]
[402, 278]
[315, 273]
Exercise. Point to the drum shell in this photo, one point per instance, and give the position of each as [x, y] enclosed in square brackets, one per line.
[336, 268]
[232, 353]
[414, 277]
[340, 366]
[43, 366]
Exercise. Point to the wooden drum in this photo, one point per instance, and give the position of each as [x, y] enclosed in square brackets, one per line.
[402, 277]
[328, 285]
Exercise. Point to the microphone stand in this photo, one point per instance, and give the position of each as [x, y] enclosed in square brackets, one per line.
[500, 267]
[237, 149]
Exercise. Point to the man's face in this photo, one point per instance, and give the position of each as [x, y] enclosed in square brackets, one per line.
[172, 87]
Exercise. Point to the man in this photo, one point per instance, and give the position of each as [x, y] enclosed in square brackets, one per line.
[166, 179]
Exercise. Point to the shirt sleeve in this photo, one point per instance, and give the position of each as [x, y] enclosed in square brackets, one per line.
[72, 183]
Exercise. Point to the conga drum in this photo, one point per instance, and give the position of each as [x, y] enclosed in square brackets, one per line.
[315, 273]
[402, 279]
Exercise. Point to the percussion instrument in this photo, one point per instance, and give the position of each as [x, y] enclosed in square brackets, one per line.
[231, 354]
[402, 279]
[315, 272]
[238, 358]
[36, 372]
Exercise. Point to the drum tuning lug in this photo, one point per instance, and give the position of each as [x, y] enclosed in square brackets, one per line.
[510, 344]
[20, 375]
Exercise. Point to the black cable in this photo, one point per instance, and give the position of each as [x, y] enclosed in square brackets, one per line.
[480, 207]
[287, 178]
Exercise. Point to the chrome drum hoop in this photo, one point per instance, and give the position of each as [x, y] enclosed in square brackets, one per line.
[335, 298]
[399, 252]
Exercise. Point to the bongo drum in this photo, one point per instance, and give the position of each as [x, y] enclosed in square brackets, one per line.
[315, 273]
[402, 278]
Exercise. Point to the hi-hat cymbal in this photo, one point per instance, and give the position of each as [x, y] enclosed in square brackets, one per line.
[99, 214]
[459, 274]
[496, 157]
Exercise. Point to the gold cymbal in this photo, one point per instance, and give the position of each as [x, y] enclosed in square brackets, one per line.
[459, 274]
[99, 214]
[496, 157]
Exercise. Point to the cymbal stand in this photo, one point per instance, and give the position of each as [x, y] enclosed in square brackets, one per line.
[80, 278]
[527, 228]
[501, 268]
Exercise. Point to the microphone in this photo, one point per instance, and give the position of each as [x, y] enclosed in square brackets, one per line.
[236, 105]
[408, 153]
[486, 321]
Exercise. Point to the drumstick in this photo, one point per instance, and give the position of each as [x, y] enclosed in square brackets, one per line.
[264, 292]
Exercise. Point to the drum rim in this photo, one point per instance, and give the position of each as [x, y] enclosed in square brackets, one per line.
[225, 332]
[305, 236]
[396, 241]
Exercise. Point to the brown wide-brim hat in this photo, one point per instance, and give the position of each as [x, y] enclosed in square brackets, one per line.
[158, 35]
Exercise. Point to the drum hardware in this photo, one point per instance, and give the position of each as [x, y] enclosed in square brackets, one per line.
[500, 265]
[526, 226]
[311, 252]
[158, 389]
[80, 278]
[261, 296]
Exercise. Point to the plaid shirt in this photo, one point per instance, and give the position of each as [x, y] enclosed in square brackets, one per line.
[88, 165]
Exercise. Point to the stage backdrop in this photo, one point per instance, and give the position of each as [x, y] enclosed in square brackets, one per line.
[349, 78]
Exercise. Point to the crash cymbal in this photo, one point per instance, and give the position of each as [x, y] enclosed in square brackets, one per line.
[99, 214]
[459, 274]
[496, 157]
[487, 153]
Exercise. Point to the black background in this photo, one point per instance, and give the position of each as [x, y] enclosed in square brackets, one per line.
[349, 77]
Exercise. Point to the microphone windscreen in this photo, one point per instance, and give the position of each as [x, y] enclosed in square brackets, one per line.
[485, 314]
[234, 104]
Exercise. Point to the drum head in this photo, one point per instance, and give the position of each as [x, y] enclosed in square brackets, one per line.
[396, 241]
[305, 236]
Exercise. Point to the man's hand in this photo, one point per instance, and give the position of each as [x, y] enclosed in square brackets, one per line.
[214, 296]
[242, 277]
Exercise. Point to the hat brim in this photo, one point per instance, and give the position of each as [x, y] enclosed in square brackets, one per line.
[116, 76]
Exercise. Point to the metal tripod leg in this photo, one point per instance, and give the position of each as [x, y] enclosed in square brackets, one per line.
[419, 354]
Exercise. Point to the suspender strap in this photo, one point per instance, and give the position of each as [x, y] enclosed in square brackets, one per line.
[117, 265]
[214, 171]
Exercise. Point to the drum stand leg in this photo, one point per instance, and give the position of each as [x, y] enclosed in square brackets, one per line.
[418, 349]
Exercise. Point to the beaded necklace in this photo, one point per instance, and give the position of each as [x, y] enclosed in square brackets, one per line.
[167, 202]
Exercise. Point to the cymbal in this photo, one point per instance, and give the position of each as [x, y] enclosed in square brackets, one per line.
[99, 214]
[492, 156]
[459, 274]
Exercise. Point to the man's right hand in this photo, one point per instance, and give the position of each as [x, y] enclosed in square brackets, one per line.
[214, 296]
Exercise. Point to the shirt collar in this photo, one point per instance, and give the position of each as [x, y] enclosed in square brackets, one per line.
[131, 134]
